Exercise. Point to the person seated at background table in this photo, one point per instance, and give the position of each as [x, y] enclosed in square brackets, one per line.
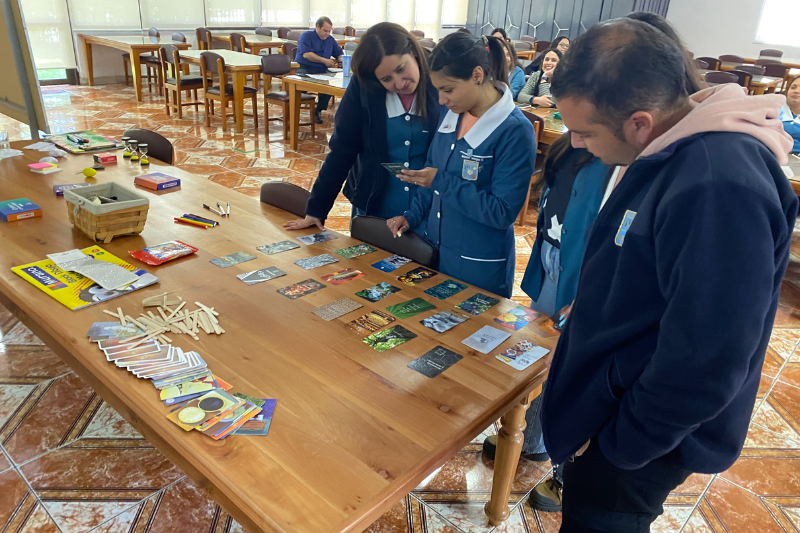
[500, 33]
[479, 166]
[317, 51]
[561, 44]
[516, 76]
[537, 90]
[790, 114]
[388, 114]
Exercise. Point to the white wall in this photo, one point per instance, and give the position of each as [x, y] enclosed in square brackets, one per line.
[716, 27]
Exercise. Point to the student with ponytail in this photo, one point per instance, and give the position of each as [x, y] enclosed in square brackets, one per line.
[479, 166]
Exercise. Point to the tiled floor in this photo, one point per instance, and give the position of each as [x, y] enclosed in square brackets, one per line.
[69, 463]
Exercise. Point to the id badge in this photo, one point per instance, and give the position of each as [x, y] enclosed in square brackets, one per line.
[469, 170]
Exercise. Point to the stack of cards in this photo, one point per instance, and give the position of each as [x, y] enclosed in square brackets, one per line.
[389, 338]
[355, 251]
[301, 288]
[446, 289]
[435, 361]
[377, 292]
[517, 318]
[317, 261]
[392, 263]
[336, 309]
[264, 274]
[277, 247]
[343, 276]
[232, 259]
[415, 276]
[486, 339]
[371, 322]
[478, 304]
[317, 237]
[443, 321]
[410, 308]
[523, 355]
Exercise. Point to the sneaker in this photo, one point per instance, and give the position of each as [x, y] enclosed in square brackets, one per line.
[490, 448]
[318, 117]
[546, 496]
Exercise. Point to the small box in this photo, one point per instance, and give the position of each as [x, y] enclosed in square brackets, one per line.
[105, 158]
[157, 181]
[59, 189]
[19, 209]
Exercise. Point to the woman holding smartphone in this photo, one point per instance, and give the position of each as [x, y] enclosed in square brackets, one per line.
[388, 114]
[479, 166]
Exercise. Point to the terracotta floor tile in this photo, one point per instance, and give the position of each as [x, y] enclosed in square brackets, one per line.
[470, 518]
[19, 335]
[20, 511]
[766, 475]
[29, 364]
[7, 321]
[737, 509]
[5, 464]
[227, 179]
[539, 522]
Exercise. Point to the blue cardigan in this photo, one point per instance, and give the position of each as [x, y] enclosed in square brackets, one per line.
[587, 193]
[358, 147]
[791, 124]
[678, 290]
[516, 80]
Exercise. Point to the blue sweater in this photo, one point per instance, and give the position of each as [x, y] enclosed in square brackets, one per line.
[791, 124]
[309, 41]
[676, 300]
[516, 81]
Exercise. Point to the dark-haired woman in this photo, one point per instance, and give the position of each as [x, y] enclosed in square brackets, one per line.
[516, 76]
[561, 44]
[537, 90]
[388, 114]
[500, 33]
[479, 166]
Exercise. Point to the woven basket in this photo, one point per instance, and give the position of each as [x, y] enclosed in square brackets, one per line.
[102, 223]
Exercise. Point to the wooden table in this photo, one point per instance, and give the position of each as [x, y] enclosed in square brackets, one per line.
[239, 65]
[794, 164]
[793, 62]
[254, 41]
[295, 85]
[354, 430]
[553, 127]
[133, 44]
[758, 84]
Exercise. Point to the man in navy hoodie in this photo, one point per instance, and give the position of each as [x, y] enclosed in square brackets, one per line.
[656, 372]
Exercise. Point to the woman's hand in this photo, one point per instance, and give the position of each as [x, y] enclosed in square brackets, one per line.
[423, 178]
[397, 225]
[302, 223]
[543, 101]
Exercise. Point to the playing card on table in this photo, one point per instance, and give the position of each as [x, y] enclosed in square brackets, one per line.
[446, 289]
[443, 321]
[259, 425]
[232, 259]
[111, 330]
[477, 304]
[343, 276]
[410, 308]
[517, 318]
[355, 251]
[389, 338]
[391, 263]
[277, 247]
[264, 274]
[301, 288]
[415, 276]
[486, 339]
[371, 322]
[316, 261]
[317, 237]
[522, 355]
[377, 292]
[435, 361]
[336, 309]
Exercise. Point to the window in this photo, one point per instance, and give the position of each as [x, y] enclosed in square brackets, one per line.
[365, 13]
[172, 14]
[49, 33]
[777, 23]
[401, 12]
[454, 12]
[336, 10]
[429, 18]
[284, 13]
[104, 15]
[231, 13]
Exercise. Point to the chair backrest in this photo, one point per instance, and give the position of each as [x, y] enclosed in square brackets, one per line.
[374, 231]
[158, 146]
[523, 45]
[770, 52]
[203, 38]
[212, 63]
[337, 31]
[276, 64]
[238, 42]
[359, 33]
[152, 32]
[752, 69]
[768, 61]
[286, 196]
[290, 50]
[701, 64]
[728, 58]
[349, 31]
[541, 45]
[168, 54]
[538, 124]
[528, 38]
[178, 37]
[427, 43]
[418, 33]
[282, 32]
[264, 31]
[294, 35]
[713, 62]
[718, 77]
[776, 70]
[744, 78]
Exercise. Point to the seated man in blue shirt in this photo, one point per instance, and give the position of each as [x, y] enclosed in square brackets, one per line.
[315, 52]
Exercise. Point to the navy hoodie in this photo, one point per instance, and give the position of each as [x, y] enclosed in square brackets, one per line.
[675, 304]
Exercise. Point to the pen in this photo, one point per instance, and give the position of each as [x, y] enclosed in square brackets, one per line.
[214, 210]
[229, 210]
[201, 219]
[190, 223]
[222, 209]
[190, 219]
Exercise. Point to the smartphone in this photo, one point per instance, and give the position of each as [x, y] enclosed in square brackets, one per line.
[394, 168]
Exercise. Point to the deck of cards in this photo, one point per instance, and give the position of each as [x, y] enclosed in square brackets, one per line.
[522, 355]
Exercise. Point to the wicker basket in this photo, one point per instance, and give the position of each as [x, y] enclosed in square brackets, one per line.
[103, 222]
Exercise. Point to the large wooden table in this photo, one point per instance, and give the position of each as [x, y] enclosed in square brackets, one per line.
[758, 84]
[354, 429]
[793, 62]
[553, 127]
[255, 42]
[295, 85]
[133, 44]
[239, 65]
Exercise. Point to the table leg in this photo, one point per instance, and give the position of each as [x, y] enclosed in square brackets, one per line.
[758, 90]
[509, 446]
[238, 100]
[294, 115]
[136, 68]
[87, 54]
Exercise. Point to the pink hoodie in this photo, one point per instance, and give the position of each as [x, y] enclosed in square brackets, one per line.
[728, 108]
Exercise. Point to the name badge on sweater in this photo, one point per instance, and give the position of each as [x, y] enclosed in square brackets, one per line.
[469, 170]
[627, 220]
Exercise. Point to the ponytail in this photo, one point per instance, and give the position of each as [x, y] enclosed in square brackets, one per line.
[459, 53]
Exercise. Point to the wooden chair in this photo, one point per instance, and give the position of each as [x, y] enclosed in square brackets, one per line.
[290, 50]
[151, 62]
[359, 33]
[350, 46]
[178, 37]
[294, 35]
[374, 231]
[528, 38]
[720, 77]
[278, 65]
[541, 46]
[743, 78]
[282, 32]
[264, 31]
[203, 38]
[702, 65]
[418, 34]
[337, 31]
[349, 31]
[239, 44]
[159, 146]
[770, 52]
[754, 70]
[538, 128]
[713, 62]
[176, 82]
[728, 58]
[286, 196]
[212, 64]
[523, 45]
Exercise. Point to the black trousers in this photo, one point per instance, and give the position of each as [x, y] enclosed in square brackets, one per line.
[322, 99]
[599, 497]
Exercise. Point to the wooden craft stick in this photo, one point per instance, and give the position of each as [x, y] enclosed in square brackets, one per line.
[148, 337]
[134, 321]
[207, 309]
[166, 339]
[176, 310]
[121, 315]
[163, 314]
[112, 313]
